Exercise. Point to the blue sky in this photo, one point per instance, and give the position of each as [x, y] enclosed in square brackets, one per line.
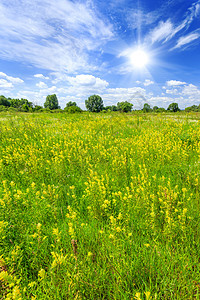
[78, 48]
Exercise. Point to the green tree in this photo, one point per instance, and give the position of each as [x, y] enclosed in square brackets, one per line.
[124, 106]
[155, 108]
[4, 101]
[20, 104]
[94, 103]
[173, 107]
[192, 108]
[25, 107]
[15, 103]
[146, 108]
[51, 102]
[70, 103]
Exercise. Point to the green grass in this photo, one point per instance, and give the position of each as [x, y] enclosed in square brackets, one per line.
[99, 206]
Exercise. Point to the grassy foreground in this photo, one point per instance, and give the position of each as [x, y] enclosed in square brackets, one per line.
[99, 207]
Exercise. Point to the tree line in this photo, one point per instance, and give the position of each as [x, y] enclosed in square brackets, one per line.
[94, 103]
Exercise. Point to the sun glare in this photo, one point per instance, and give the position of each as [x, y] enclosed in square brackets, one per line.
[139, 58]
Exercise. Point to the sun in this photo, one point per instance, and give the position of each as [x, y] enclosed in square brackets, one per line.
[139, 58]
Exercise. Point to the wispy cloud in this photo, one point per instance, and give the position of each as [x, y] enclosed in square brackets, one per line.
[193, 11]
[54, 35]
[136, 18]
[41, 76]
[168, 29]
[161, 32]
[187, 39]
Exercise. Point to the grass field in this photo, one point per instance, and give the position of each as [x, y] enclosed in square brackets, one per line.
[99, 206]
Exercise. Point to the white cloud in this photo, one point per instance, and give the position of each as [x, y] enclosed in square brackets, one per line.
[174, 83]
[161, 101]
[41, 76]
[88, 81]
[161, 32]
[137, 17]
[148, 82]
[197, 9]
[184, 40]
[191, 91]
[41, 85]
[49, 90]
[194, 10]
[187, 94]
[136, 95]
[11, 79]
[54, 35]
[127, 91]
[166, 30]
[172, 92]
[5, 84]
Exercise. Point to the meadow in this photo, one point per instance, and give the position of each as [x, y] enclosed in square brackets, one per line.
[99, 206]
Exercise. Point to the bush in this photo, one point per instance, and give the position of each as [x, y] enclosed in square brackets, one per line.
[59, 110]
[73, 109]
[3, 108]
[12, 109]
[37, 108]
[160, 110]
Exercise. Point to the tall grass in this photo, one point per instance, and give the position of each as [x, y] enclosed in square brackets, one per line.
[99, 207]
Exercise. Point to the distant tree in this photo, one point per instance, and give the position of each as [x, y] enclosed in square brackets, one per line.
[51, 102]
[146, 108]
[155, 108]
[195, 108]
[4, 101]
[70, 103]
[25, 107]
[124, 106]
[111, 108]
[15, 103]
[20, 104]
[26, 102]
[192, 108]
[94, 103]
[173, 107]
